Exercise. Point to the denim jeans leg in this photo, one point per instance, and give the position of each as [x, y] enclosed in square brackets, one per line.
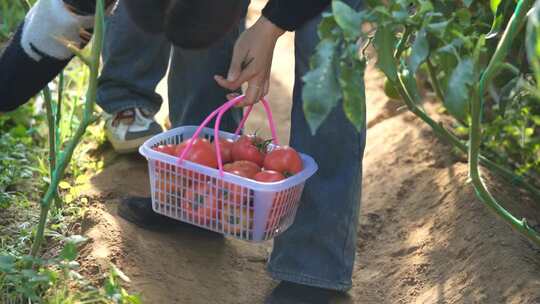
[319, 249]
[193, 92]
[134, 63]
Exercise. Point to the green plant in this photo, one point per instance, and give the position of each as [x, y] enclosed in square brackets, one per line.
[59, 160]
[26, 172]
[463, 47]
[11, 12]
[28, 279]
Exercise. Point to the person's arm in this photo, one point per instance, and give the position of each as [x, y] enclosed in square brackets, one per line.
[34, 56]
[253, 52]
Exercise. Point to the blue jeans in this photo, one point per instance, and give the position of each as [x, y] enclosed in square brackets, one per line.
[135, 62]
[319, 249]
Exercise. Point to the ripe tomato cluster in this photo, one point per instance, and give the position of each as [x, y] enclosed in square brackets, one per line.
[228, 204]
[247, 157]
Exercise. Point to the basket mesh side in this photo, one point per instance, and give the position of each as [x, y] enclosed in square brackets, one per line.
[283, 211]
[218, 205]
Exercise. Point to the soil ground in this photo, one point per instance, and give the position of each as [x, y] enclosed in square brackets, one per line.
[423, 236]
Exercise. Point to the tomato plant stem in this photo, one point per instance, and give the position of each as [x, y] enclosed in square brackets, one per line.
[434, 80]
[65, 156]
[516, 22]
[445, 134]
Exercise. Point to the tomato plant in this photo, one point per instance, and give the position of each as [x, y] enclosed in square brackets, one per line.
[472, 54]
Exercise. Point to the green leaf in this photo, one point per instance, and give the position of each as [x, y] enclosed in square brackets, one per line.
[351, 79]
[498, 11]
[7, 263]
[328, 27]
[69, 252]
[533, 41]
[349, 20]
[384, 43]
[494, 4]
[321, 91]
[419, 52]
[457, 94]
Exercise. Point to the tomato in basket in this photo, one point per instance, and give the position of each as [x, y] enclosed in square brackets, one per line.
[231, 193]
[202, 152]
[226, 146]
[200, 203]
[250, 148]
[268, 176]
[284, 160]
[166, 149]
[236, 219]
[168, 188]
[244, 168]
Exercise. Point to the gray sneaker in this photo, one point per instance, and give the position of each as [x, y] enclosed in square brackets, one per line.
[129, 129]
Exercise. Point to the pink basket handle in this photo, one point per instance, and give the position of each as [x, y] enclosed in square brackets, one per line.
[243, 121]
[220, 112]
[197, 132]
[231, 104]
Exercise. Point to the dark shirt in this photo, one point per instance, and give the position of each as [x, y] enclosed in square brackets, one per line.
[291, 14]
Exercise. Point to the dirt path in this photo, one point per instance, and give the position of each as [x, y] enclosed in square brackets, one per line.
[424, 238]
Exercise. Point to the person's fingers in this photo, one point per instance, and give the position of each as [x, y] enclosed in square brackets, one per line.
[245, 76]
[267, 83]
[236, 65]
[253, 93]
[232, 96]
[266, 88]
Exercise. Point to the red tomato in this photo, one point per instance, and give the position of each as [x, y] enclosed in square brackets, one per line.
[250, 148]
[268, 176]
[167, 149]
[200, 203]
[226, 146]
[232, 194]
[202, 152]
[284, 160]
[242, 168]
[167, 186]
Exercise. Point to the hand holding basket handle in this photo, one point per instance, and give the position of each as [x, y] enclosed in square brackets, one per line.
[219, 112]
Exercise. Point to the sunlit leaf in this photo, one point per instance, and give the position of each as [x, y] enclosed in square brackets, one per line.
[457, 94]
[384, 43]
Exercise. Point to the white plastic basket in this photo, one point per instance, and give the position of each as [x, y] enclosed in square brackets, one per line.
[216, 200]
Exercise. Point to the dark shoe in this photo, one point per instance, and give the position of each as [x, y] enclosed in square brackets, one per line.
[138, 210]
[291, 293]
